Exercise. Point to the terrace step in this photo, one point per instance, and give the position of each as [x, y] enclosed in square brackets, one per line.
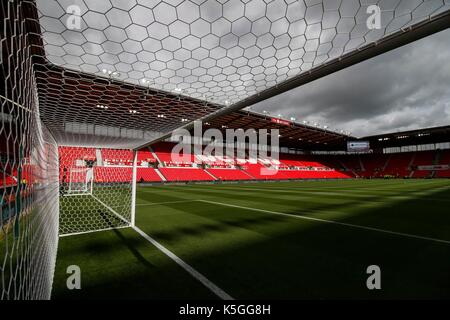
[253, 178]
[160, 175]
[361, 164]
[387, 163]
[437, 157]
[410, 164]
[213, 176]
[155, 155]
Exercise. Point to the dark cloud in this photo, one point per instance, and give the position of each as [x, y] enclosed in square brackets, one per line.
[404, 89]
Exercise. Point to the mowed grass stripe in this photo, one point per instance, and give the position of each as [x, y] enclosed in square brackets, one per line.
[327, 184]
[305, 194]
[332, 222]
[386, 194]
[287, 186]
[287, 198]
[197, 275]
[258, 255]
[355, 193]
[120, 264]
[320, 191]
[356, 187]
[424, 217]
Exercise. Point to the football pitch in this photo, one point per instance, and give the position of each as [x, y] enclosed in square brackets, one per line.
[284, 240]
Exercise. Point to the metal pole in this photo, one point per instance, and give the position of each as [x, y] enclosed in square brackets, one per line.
[133, 190]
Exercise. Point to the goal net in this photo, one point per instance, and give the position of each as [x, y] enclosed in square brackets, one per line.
[28, 171]
[80, 181]
[95, 189]
[64, 89]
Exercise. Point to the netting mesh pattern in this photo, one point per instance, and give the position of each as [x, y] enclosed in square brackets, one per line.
[222, 51]
[95, 189]
[85, 110]
[28, 172]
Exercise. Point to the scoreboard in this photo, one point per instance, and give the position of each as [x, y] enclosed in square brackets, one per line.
[358, 146]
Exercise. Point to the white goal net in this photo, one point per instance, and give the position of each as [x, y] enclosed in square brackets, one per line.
[95, 189]
[73, 99]
[28, 172]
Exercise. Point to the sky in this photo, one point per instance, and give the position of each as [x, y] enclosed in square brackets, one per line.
[407, 88]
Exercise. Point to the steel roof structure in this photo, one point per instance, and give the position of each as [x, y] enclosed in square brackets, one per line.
[136, 70]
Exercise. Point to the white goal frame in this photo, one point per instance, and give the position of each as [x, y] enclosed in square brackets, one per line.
[88, 183]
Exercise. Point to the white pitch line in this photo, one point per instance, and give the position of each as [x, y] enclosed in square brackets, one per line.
[111, 209]
[330, 222]
[197, 275]
[91, 231]
[161, 203]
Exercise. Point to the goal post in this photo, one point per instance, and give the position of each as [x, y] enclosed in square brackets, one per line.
[80, 181]
[133, 189]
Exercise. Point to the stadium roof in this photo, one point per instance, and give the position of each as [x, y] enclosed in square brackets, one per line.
[199, 59]
[411, 137]
[293, 134]
[297, 135]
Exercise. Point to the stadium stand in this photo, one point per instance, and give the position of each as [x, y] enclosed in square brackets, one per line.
[290, 166]
[424, 158]
[332, 161]
[229, 174]
[442, 174]
[117, 157]
[399, 164]
[352, 162]
[301, 161]
[147, 175]
[422, 173]
[74, 156]
[373, 165]
[319, 172]
[8, 180]
[145, 157]
[163, 151]
[256, 171]
[185, 174]
[113, 174]
[444, 157]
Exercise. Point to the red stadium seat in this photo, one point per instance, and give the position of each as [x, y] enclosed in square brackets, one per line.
[147, 175]
[185, 174]
[229, 174]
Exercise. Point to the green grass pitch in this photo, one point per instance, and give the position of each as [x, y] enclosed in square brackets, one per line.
[286, 240]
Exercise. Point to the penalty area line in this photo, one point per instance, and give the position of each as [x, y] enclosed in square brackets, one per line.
[162, 203]
[197, 275]
[356, 226]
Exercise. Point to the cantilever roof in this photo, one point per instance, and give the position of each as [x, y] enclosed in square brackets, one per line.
[292, 134]
[200, 59]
